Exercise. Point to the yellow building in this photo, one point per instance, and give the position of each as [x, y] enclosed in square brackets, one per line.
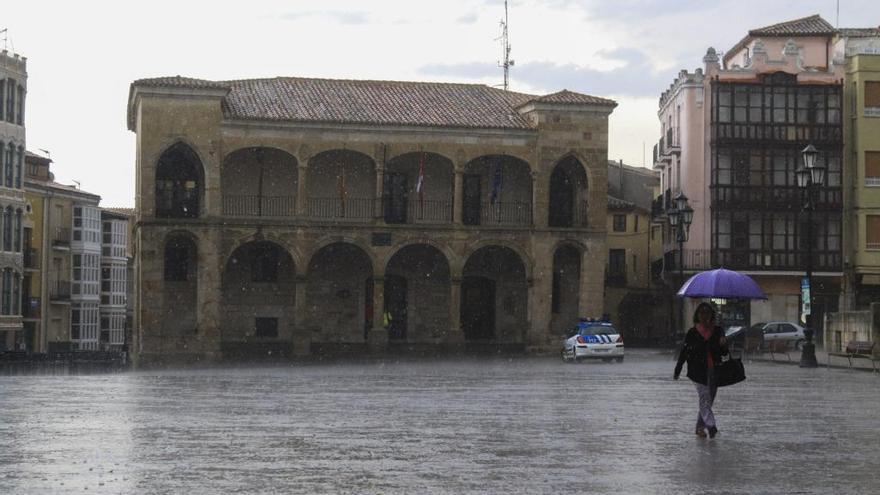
[634, 297]
[862, 163]
[62, 238]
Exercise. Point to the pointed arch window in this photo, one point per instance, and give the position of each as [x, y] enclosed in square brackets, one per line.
[19, 167]
[6, 306]
[178, 183]
[17, 234]
[7, 229]
[16, 294]
[8, 164]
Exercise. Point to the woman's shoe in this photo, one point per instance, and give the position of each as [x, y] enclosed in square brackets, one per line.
[701, 432]
[712, 431]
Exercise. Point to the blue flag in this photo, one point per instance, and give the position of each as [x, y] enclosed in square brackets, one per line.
[496, 183]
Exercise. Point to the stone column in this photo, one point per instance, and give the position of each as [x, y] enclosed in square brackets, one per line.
[212, 201]
[302, 333]
[209, 295]
[540, 199]
[457, 196]
[591, 294]
[539, 305]
[378, 337]
[380, 189]
[456, 334]
[302, 174]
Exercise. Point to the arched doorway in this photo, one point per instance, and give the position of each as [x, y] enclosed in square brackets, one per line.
[417, 288]
[339, 293]
[258, 297]
[497, 190]
[180, 295]
[494, 296]
[179, 178]
[565, 295]
[342, 186]
[568, 194]
[259, 182]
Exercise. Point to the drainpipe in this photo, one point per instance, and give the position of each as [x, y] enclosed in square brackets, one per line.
[44, 275]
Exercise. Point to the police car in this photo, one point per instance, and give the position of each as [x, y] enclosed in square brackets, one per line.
[592, 339]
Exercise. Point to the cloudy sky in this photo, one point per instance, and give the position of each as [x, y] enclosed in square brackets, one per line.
[83, 55]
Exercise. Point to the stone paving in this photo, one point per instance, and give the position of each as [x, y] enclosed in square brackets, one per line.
[474, 425]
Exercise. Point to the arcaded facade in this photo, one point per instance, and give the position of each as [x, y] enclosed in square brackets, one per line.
[293, 216]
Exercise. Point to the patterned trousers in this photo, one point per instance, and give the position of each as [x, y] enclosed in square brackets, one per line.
[706, 418]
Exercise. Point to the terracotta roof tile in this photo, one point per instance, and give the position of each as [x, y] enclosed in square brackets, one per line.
[807, 26]
[859, 32]
[297, 99]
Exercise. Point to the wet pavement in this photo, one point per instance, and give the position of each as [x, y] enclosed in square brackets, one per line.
[475, 425]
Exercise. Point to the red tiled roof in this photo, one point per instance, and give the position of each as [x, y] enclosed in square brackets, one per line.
[566, 96]
[297, 99]
[813, 25]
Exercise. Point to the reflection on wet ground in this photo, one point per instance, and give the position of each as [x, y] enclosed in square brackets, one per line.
[481, 425]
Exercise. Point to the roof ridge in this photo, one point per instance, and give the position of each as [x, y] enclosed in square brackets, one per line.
[814, 17]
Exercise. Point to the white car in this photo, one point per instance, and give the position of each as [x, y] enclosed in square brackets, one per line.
[782, 330]
[592, 339]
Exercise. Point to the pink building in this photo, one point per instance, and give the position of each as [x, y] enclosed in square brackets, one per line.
[732, 135]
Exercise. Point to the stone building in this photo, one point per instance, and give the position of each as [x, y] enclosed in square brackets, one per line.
[13, 87]
[296, 215]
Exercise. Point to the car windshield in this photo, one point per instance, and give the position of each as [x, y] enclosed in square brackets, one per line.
[597, 329]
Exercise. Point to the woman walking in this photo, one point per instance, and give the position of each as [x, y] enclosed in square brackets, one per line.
[703, 347]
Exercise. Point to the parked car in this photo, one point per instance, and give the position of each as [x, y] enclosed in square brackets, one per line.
[736, 336]
[781, 330]
[592, 339]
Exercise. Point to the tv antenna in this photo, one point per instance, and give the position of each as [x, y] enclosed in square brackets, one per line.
[506, 62]
[4, 33]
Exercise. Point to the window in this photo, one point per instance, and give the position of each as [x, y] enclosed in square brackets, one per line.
[872, 232]
[6, 307]
[636, 220]
[872, 168]
[266, 327]
[19, 117]
[620, 223]
[177, 183]
[7, 229]
[178, 252]
[616, 263]
[872, 98]
[2, 92]
[19, 166]
[17, 234]
[10, 100]
[8, 165]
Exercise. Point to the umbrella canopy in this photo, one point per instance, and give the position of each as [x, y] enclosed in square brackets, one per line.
[723, 284]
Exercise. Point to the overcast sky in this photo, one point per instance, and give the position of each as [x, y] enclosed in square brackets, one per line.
[83, 55]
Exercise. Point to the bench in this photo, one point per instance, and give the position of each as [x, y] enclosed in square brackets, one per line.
[780, 347]
[857, 349]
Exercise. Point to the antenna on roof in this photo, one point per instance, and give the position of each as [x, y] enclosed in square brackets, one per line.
[48, 155]
[3, 32]
[506, 62]
[78, 185]
[837, 19]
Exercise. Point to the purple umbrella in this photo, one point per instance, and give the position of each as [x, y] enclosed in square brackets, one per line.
[723, 284]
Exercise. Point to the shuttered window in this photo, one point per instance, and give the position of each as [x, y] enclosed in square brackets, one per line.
[872, 94]
[872, 231]
[872, 168]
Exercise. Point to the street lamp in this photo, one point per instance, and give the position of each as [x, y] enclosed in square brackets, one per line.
[680, 217]
[809, 178]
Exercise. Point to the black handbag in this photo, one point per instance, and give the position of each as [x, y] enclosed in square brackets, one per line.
[731, 372]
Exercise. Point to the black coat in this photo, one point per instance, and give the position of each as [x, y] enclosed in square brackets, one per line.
[694, 351]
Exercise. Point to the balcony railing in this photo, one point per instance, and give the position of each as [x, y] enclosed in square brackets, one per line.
[259, 206]
[417, 212]
[31, 259]
[500, 213]
[672, 140]
[751, 260]
[59, 290]
[761, 132]
[775, 197]
[353, 209]
[61, 236]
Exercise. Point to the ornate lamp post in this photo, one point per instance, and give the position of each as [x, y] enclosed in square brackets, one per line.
[810, 178]
[680, 217]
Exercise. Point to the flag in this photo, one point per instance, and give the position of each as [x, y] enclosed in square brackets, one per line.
[420, 182]
[495, 194]
[343, 191]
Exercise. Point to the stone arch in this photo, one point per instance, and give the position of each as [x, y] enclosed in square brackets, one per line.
[375, 263]
[180, 250]
[179, 182]
[417, 291]
[567, 194]
[494, 296]
[342, 186]
[516, 248]
[405, 201]
[258, 291]
[497, 190]
[259, 181]
[339, 294]
[453, 259]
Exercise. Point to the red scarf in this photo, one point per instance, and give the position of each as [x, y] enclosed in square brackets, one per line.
[706, 333]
